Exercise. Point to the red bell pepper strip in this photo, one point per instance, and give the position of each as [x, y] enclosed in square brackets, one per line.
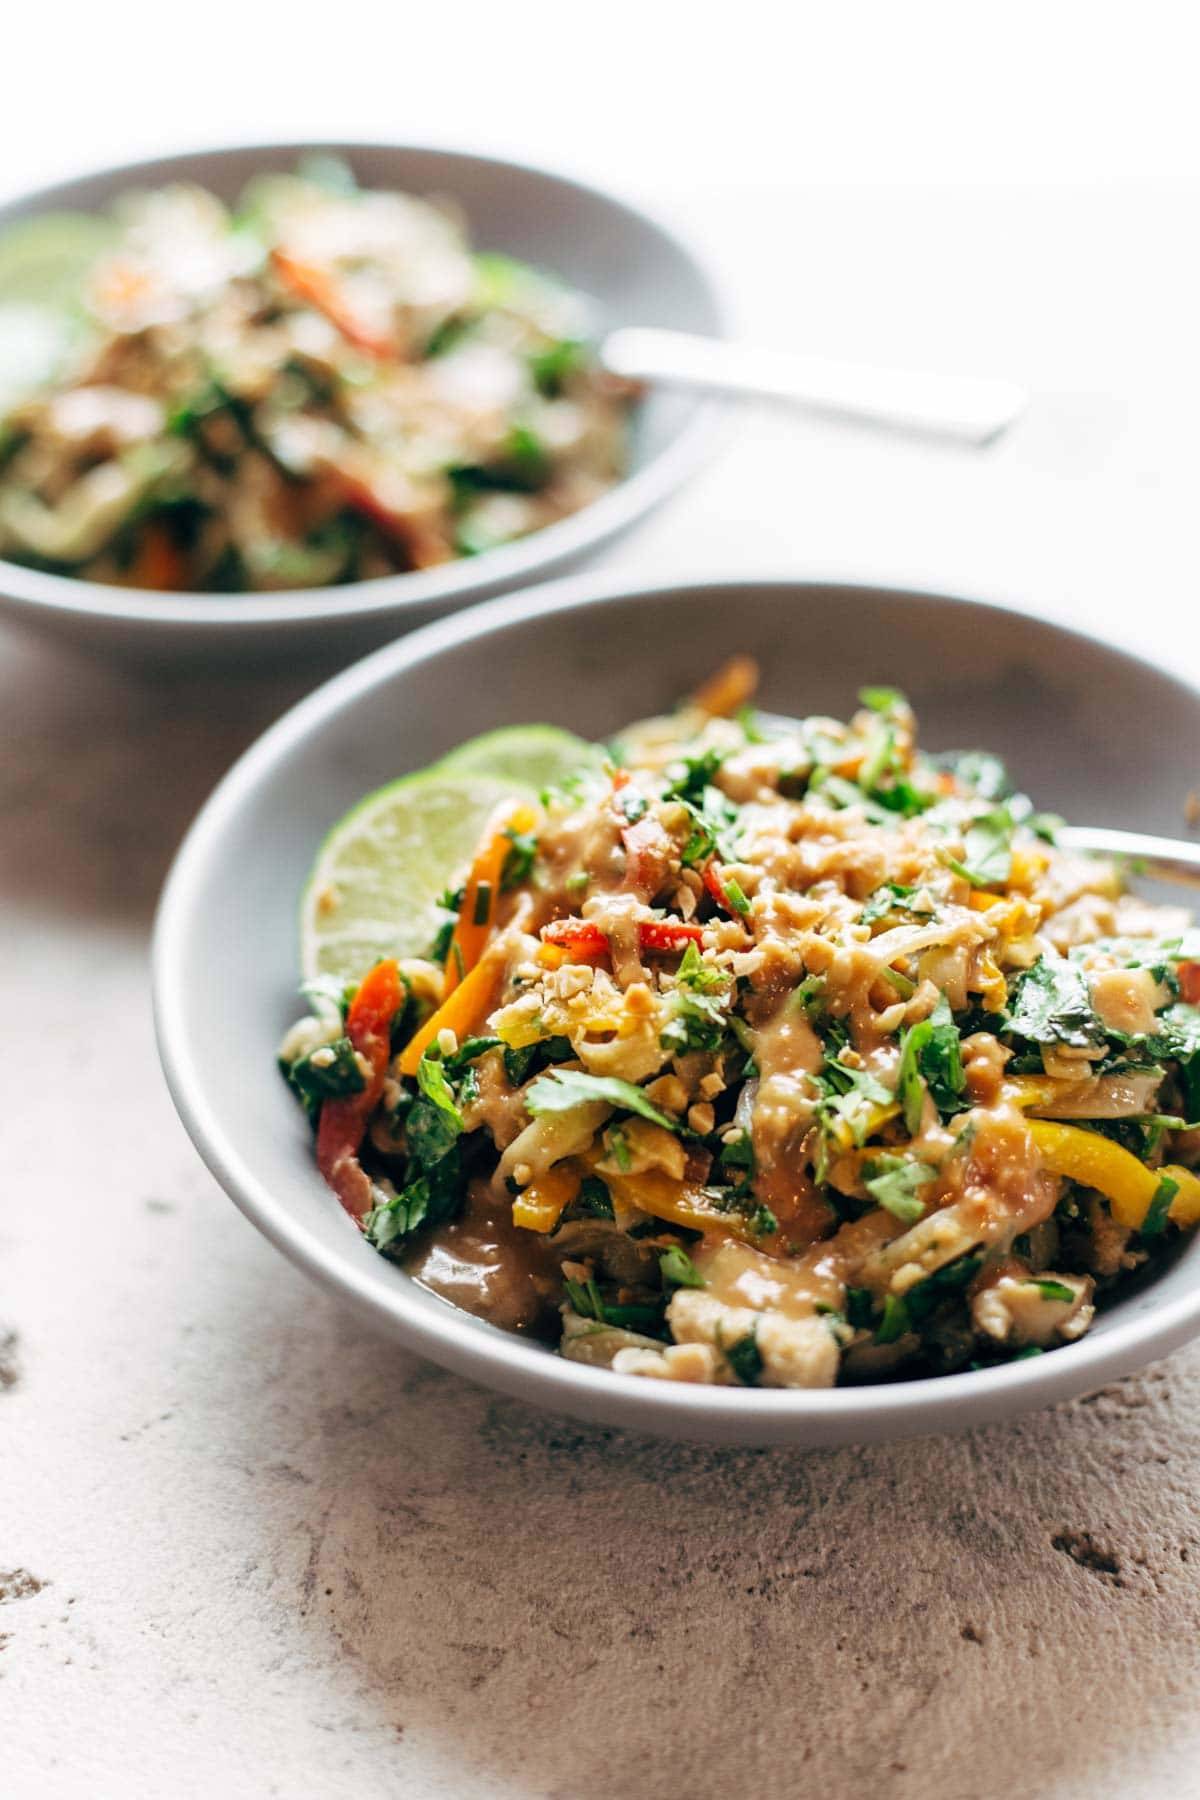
[714, 881]
[1189, 982]
[584, 938]
[319, 290]
[343, 1123]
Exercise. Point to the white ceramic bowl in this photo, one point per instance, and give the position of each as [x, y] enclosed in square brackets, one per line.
[1092, 731]
[634, 269]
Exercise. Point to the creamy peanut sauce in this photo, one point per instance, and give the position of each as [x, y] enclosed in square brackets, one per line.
[790, 1112]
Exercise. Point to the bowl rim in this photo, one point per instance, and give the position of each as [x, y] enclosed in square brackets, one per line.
[410, 592]
[504, 1360]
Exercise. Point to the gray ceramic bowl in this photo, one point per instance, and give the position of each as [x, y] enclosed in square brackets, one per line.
[634, 269]
[1094, 733]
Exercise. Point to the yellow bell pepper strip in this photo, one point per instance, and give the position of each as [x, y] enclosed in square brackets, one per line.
[1127, 1184]
[680, 1203]
[477, 914]
[462, 1012]
[343, 1123]
[540, 1206]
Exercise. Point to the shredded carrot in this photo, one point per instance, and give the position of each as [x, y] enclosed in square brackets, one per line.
[158, 563]
[462, 1012]
[732, 686]
[320, 290]
[477, 914]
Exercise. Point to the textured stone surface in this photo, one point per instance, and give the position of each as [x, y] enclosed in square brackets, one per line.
[248, 1549]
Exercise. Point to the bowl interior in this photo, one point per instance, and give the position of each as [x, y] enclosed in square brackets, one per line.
[633, 270]
[1089, 730]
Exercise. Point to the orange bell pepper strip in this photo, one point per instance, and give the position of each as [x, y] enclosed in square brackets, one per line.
[477, 914]
[1189, 982]
[158, 564]
[318, 289]
[731, 686]
[343, 1123]
[462, 1012]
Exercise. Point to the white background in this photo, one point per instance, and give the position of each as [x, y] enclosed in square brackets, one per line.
[658, 94]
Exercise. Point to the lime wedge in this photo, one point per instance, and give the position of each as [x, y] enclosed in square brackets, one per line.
[379, 874]
[43, 260]
[540, 756]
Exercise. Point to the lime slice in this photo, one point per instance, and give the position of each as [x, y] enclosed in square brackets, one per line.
[540, 756]
[43, 260]
[379, 874]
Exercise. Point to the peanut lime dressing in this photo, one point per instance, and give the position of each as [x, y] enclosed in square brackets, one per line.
[483, 1263]
[777, 1071]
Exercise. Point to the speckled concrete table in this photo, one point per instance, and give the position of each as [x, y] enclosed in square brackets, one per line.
[247, 1548]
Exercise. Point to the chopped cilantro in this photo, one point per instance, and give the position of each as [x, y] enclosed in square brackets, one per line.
[553, 366]
[562, 1089]
[895, 1321]
[530, 1059]
[735, 896]
[697, 1022]
[593, 1201]
[1158, 1211]
[1052, 1290]
[1051, 1004]
[987, 858]
[892, 897]
[518, 860]
[586, 1300]
[860, 1308]
[885, 700]
[697, 774]
[893, 1181]
[931, 1056]
[678, 1270]
[745, 1359]
[693, 972]
[483, 903]
[332, 1076]
[432, 1198]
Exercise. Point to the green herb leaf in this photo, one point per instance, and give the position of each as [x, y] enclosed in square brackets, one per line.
[894, 1181]
[895, 1321]
[1051, 1004]
[431, 1199]
[987, 859]
[885, 700]
[1158, 1211]
[562, 1089]
[860, 1308]
[892, 897]
[735, 896]
[553, 366]
[332, 1077]
[930, 1055]
[518, 861]
[693, 972]
[593, 1201]
[678, 1270]
[745, 1359]
[1052, 1290]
